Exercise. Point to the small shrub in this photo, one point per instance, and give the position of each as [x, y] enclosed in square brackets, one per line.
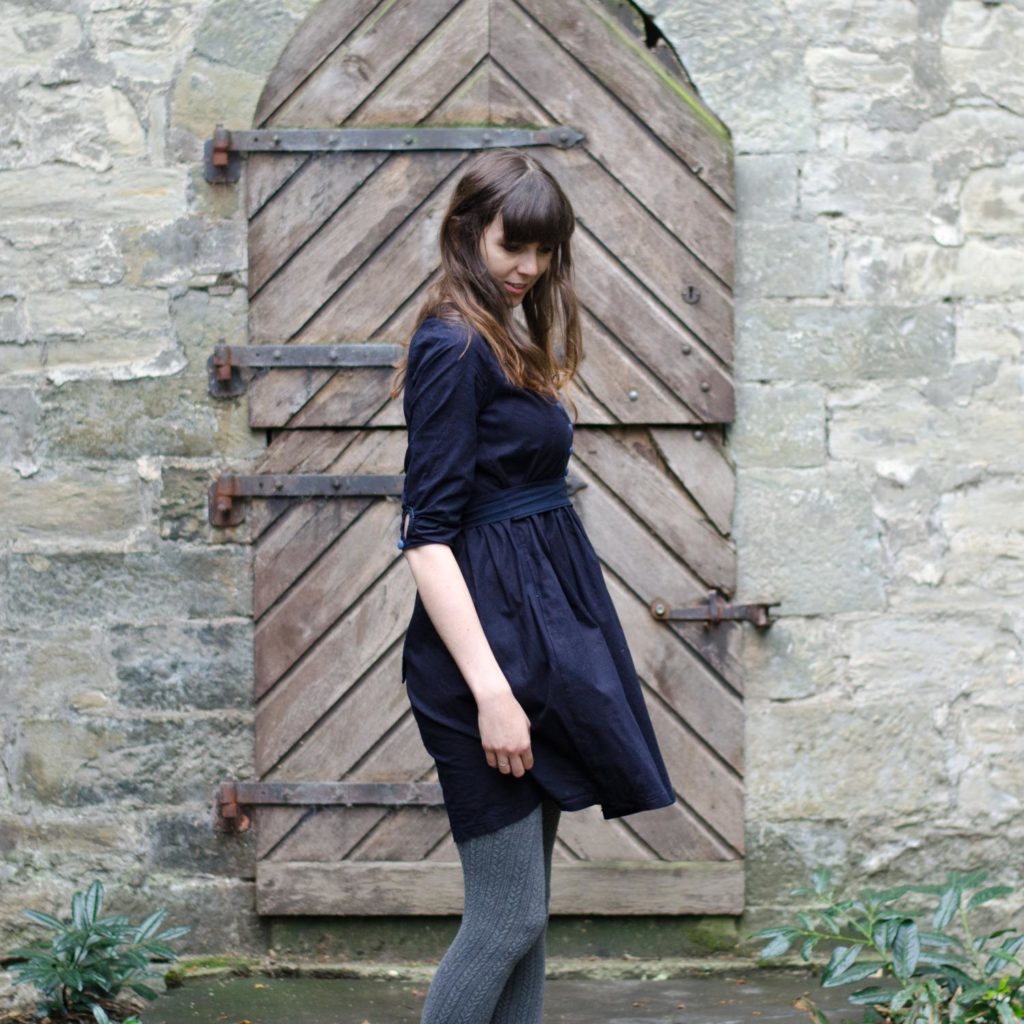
[943, 974]
[91, 959]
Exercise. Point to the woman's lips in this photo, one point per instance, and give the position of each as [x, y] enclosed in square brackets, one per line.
[515, 289]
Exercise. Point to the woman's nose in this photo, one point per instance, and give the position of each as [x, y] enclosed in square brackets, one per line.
[528, 263]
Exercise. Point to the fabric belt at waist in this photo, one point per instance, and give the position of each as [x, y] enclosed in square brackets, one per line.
[517, 502]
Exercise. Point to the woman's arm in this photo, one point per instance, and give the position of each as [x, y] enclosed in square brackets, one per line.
[504, 726]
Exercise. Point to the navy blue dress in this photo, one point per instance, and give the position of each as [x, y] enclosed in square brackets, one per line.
[537, 587]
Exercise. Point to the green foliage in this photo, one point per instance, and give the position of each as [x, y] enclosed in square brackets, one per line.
[89, 958]
[924, 971]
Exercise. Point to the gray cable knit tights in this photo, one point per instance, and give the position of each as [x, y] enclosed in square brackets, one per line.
[493, 972]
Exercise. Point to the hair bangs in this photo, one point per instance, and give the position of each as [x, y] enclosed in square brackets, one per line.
[535, 212]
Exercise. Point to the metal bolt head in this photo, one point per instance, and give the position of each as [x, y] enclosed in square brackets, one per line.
[691, 295]
[633, 395]
[687, 348]
[705, 386]
[698, 435]
[276, 139]
[409, 140]
[486, 136]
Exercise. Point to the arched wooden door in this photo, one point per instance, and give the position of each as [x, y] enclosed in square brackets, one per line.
[342, 247]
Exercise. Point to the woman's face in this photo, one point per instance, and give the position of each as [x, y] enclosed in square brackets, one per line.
[515, 268]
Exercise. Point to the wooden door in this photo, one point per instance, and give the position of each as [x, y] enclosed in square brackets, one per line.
[342, 248]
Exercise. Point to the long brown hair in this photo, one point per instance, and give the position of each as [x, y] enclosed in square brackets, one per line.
[533, 208]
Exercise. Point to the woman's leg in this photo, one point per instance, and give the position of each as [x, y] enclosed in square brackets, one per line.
[504, 914]
[522, 998]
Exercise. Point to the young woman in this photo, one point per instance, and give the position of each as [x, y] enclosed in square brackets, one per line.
[515, 663]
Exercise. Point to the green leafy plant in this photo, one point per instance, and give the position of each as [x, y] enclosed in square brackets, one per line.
[941, 974]
[90, 959]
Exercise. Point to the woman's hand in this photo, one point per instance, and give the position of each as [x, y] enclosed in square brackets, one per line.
[505, 733]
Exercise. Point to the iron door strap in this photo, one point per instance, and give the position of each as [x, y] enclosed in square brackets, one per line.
[714, 611]
[223, 152]
[235, 798]
[228, 492]
[227, 368]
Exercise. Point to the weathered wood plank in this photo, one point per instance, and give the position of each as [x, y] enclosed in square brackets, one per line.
[678, 834]
[671, 109]
[621, 143]
[329, 259]
[358, 557]
[591, 837]
[700, 778]
[681, 678]
[345, 652]
[345, 79]
[429, 887]
[649, 568]
[296, 540]
[652, 334]
[264, 174]
[274, 397]
[308, 199]
[702, 466]
[316, 38]
[431, 71]
[627, 462]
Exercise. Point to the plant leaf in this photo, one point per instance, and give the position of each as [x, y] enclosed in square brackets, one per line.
[948, 906]
[871, 996]
[993, 892]
[858, 972]
[1006, 1015]
[150, 925]
[100, 1014]
[842, 960]
[44, 919]
[803, 1003]
[906, 948]
[93, 900]
[143, 990]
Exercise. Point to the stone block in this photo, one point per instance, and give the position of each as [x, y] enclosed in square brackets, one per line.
[246, 34]
[138, 194]
[810, 541]
[80, 125]
[779, 425]
[766, 186]
[171, 416]
[138, 761]
[19, 417]
[180, 666]
[835, 344]
[185, 842]
[748, 66]
[44, 669]
[886, 271]
[814, 762]
[992, 201]
[985, 532]
[143, 43]
[50, 255]
[202, 320]
[137, 587]
[782, 857]
[30, 40]
[207, 94]
[71, 505]
[175, 253]
[783, 260]
[48, 840]
[894, 198]
[990, 792]
[956, 441]
[989, 268]
[860, 74]
[795, 659]
[880, 26]
[12, 320]
[984, 331]
[941, 659]
[981, 46]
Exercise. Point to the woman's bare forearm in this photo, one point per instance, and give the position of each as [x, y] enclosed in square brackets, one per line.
[447, 600]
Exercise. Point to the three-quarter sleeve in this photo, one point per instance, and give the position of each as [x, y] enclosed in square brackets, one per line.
[444, 391]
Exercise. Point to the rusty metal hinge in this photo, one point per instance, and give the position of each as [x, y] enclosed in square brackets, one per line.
[222, 154]
[228, 491]
[225, 365]
[716, 610]
[234, 798]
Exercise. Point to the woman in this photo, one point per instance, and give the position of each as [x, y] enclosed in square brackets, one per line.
[515, 663]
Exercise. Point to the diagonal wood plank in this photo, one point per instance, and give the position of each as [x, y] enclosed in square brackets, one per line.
[314, 40]
[265, 173]
[653, 335]
[626, 461]
[339, 84]
[326, 262]
[301, 206]
[591, 837]
[330, 587]
[615, 137]
[344, 653]
[699, 461]
[676, 833]
[681, 678]
[668, 107]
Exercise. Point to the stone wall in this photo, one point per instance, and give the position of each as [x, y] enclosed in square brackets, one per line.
[880, 151]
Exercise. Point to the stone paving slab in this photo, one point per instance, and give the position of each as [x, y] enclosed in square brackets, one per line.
[761, 997]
